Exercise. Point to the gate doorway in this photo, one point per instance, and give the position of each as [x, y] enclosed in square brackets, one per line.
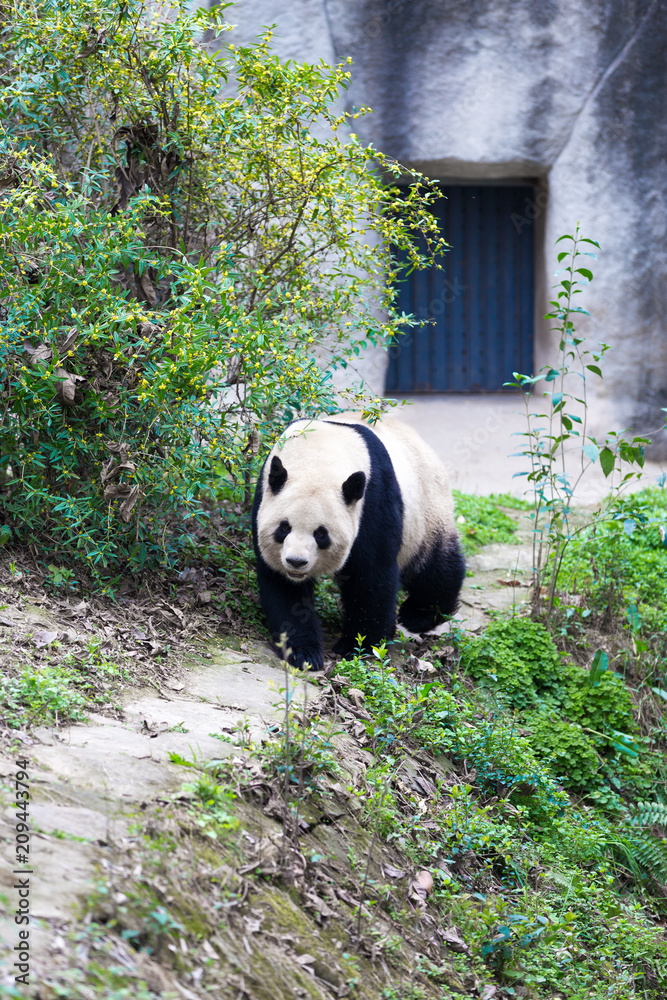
[480, 306]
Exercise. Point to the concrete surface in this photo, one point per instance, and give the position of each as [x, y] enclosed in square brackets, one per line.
[475, 438]
[569, 96]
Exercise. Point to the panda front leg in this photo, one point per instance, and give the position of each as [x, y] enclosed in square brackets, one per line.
[290, 609]
[368, 595]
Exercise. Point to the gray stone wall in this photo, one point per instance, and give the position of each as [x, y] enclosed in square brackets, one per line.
[568, 93]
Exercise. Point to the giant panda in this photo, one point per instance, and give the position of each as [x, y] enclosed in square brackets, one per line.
[370, 506]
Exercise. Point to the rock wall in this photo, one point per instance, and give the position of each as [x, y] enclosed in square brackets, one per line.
[570, 95]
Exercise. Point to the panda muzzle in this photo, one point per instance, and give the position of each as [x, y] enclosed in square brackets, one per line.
[296, 567]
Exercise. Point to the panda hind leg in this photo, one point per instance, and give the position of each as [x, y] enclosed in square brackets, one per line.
[433, 582]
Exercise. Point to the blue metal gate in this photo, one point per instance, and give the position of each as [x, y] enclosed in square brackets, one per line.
[480, 306]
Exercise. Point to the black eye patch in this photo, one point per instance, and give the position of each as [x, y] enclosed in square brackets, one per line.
[321, 536]
[282, 531]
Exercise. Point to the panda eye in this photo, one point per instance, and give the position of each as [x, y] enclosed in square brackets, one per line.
[321, 536]
[282, 531]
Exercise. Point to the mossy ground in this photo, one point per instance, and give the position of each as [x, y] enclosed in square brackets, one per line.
[476, 816]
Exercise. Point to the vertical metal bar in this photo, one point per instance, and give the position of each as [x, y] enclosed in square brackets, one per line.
[422, 360]
[439, 306]
[455, 296]
[527, 285]
[472, 251]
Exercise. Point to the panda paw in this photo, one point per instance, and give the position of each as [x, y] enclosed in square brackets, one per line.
[312, 659]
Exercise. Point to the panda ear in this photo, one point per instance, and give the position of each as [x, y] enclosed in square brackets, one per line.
[277, 475]
[353, 487]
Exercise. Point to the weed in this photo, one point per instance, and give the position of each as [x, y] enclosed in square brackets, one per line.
[40, 696]
[553, 481]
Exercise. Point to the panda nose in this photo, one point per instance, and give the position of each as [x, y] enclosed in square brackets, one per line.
[296, 563]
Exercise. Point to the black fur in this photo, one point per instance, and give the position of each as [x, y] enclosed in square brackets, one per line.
[277, 475]
[282, 531]
[433, 580]
[353, 487]
[321, 536]
[370, 578]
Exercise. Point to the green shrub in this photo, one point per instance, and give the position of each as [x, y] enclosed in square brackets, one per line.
[519, 660]
[506, 762]
[166, 273]
[604, 706]
[622, 563]
[567, 749]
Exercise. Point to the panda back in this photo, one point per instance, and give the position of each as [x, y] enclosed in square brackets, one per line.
[428, 510]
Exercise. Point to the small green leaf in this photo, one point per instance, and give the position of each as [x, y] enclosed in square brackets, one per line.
[176, 758]
[625, 750]
[607, 460]
[591, 451]
[594, 368]
[586, 273]
[599, 665]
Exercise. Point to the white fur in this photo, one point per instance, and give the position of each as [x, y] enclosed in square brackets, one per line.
[319, 456]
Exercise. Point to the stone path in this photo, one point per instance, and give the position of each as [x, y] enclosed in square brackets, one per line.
[89, 780]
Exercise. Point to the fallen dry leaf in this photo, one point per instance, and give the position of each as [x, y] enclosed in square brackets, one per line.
[66, 389]
[127, 505]
[44, 638]
[425, 880]
[174, 685]
[148, 288]
[210, 951]
[69, 341]
[452, 938]
[356, 696]
[390, 872]
[38, 352]
[315, 902]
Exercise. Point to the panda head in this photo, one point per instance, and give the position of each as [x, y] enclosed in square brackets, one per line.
[310, 511]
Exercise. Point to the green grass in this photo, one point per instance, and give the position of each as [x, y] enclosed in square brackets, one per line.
[58, 687]
[617, 570]
[485, 521]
